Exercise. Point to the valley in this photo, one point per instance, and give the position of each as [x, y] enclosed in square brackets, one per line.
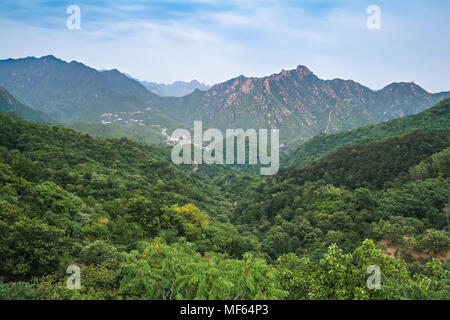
[86, 179]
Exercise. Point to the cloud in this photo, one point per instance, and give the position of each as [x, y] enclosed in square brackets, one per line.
[213, 41]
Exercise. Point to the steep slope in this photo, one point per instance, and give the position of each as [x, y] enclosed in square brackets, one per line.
[435, 118]
[9, 103]
[373, 164]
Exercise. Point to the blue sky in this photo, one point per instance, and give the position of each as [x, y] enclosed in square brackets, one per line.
[213, 41]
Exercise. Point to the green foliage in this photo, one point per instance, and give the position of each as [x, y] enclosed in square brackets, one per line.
[304, 210]
[435, 240]
[398, 228]
[97, 283]
[99, 252]
[434, 284]
[344, 276]
[9, 103]
[374, 165]
[141, 228]
[16, 291]
[29, 247]
[435, 118]
[159, 271]
[419, 199]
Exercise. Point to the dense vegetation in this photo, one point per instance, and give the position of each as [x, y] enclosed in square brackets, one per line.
[306, 209]
[9, 103]
[435, 118]
[140, 227]
[87, 189]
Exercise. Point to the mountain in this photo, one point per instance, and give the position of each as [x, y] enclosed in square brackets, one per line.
[9, 103]
[67, 91]
[300, 104]
[435, 118]
[403, 99]
[296, 101]
[176, 89]
[74, 93]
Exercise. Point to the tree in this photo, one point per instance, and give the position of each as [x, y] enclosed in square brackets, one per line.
[159, 271]
[434, 240]
[28, 247]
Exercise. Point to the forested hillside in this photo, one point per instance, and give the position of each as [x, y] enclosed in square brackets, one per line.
[395, 192]
[9, 103]
[73, 190]
[435, 118]
[140, 227]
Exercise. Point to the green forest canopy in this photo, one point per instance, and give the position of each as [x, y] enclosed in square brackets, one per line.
[140, 227]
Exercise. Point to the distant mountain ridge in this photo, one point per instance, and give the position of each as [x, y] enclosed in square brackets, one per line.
[300, 104]
[295, 101]
[175, 89]
[73, 92]
[63, 89]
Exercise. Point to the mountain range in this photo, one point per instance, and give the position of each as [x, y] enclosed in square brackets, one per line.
[300, 104]
[296, 101]
[175, 89]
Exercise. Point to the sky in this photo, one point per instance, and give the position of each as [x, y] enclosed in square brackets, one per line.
[216, 40]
